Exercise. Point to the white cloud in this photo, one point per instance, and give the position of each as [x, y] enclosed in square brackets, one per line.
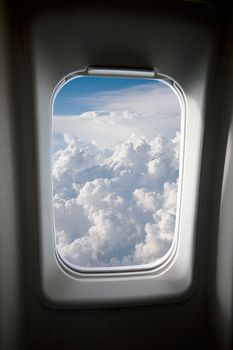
[146, 110]
[108, 129]
[116, 206]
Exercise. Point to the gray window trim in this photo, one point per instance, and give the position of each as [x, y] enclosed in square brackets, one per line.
[62, 287]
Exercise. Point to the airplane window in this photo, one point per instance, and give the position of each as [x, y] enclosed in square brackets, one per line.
[116, 172]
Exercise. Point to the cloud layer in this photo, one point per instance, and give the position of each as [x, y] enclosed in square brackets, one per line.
[115, 206]
[112, 116]
[149, 98]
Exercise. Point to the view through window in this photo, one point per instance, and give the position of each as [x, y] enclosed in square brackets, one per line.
[116, 157]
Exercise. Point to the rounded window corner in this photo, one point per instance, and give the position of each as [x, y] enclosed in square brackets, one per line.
[128, 82]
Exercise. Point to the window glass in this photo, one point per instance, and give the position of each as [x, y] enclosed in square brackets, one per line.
[116, 160]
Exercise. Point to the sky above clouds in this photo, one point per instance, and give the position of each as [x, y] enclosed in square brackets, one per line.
[116, 145]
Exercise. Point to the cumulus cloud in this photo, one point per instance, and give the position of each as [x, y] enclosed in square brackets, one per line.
[116, 206]
[116, 126]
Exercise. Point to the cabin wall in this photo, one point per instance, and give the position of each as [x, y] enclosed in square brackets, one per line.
[204, 320]
[10, 261]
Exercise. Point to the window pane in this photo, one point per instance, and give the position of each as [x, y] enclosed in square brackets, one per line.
[116, 146]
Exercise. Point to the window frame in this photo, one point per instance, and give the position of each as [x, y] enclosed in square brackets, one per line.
[146, 74]
[174, 280]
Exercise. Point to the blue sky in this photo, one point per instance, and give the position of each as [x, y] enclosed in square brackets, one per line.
[71, 99]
